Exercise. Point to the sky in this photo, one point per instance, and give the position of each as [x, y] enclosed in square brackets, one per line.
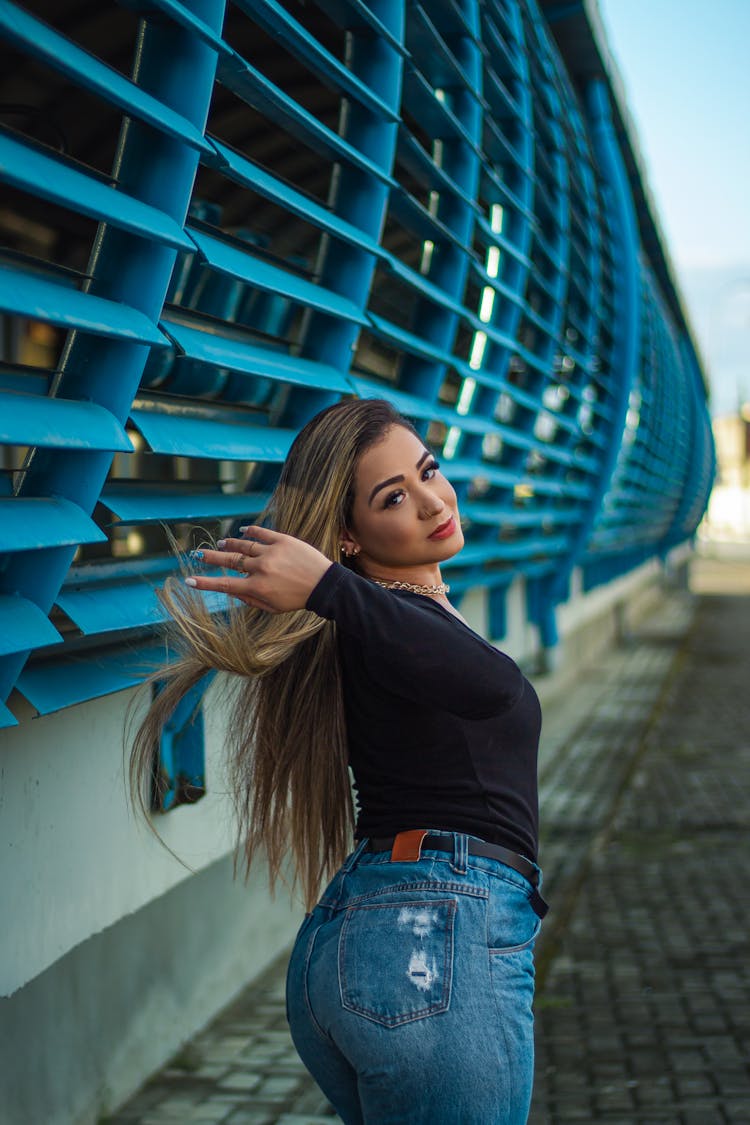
[685, 66]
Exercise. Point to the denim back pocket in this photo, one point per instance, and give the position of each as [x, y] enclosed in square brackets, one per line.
[396, 959]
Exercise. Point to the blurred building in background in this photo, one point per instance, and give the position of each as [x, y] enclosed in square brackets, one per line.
[727, 518]
[217, 218]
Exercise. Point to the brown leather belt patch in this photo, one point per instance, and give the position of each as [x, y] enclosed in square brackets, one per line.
[407, 846]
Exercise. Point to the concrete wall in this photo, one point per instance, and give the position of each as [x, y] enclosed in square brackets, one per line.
[83, 1035]
[113, 953]
[73, 857]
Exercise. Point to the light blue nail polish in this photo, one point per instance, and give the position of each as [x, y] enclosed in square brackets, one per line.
[197, 555]
[243, 530]
[190, 582]
[221, 543]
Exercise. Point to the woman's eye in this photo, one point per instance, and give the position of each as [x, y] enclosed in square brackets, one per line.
[394, 498]
[433, 467]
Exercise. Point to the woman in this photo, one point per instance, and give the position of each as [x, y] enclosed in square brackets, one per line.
[410, 985]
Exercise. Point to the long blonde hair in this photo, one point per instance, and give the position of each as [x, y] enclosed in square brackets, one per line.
[287, 738]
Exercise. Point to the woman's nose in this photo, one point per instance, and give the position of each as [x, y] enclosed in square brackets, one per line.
[432, 505]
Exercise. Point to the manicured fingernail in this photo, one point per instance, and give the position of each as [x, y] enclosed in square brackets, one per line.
[196, 554]
[190, 582]
[221, 543]
[243, 530]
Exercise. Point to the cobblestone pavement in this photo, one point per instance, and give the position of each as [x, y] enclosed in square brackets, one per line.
[643, 1006]
[644, 1011]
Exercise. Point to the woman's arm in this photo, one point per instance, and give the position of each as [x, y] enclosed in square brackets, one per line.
[415, 651]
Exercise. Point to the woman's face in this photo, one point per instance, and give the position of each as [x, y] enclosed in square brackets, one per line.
[405, 512]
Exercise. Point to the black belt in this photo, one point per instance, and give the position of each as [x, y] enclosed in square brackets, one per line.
[475, 847]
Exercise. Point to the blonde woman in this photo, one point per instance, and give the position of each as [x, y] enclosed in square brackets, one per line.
[410, 984]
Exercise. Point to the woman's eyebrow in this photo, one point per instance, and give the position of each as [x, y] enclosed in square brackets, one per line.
[394, 480]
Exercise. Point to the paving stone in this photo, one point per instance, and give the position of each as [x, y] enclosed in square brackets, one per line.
[251, 1117]
[243, 1080]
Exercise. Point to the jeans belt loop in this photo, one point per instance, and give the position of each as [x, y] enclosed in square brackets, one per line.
[460, 861]
[351, 860]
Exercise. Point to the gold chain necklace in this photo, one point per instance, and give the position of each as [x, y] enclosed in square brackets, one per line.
[394, 584]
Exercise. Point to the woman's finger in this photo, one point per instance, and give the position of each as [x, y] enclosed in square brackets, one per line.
[226, 557]
[244, 546]
[234, 588]
[261, 534]
[237, 587]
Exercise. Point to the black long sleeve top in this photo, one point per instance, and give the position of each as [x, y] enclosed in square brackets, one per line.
[443, 728]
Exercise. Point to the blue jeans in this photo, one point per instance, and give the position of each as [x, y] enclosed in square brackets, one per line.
[410, 986]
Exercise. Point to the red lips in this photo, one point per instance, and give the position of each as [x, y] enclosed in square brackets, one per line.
[444, 529]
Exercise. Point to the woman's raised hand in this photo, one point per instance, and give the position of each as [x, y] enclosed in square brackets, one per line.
[277, 572]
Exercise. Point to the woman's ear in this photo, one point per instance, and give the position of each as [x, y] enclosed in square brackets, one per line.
[348, 545]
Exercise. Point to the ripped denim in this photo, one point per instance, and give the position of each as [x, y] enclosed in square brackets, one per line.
[410, 987]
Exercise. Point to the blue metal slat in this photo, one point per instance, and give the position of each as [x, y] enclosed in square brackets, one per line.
[238, 263]
[36, 420]
[495, 185]
[407, 341]
[50, 685]
[424, 286]
[418, 346]
[106, 609]
[33, 523]
[428, 47]
[30, 169]
[416, 406]
[284, 28]
[23, 625]
[497, 44]
[503, 330]
[496, 84]
[355, 15]
[425, 171]
[504, 244]
[29, 295]
[434, 116]
[509, 478]
[219, 438]
[7, 718]
[503, 151]
[36, 38]
[417, 219]
[495, 514]
[491, 551]
[139, 503]
[192, 23]
[122, 596]
[24, 380]
[237, 167]
[237, 353]
[262, 94]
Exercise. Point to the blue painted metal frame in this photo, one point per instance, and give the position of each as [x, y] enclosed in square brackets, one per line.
[478, 263]
[179, 768]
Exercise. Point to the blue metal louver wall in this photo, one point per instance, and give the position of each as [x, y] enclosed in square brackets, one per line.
[222, 217]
